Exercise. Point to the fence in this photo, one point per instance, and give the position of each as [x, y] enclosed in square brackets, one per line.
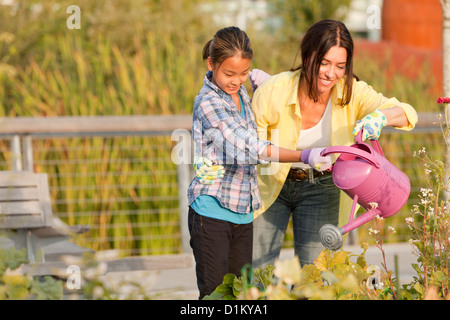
[120, 174]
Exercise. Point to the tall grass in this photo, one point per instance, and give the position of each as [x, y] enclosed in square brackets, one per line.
[125, 187]
[140, 214]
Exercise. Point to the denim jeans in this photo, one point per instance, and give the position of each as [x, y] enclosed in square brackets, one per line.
[312, 205]
[219, 247]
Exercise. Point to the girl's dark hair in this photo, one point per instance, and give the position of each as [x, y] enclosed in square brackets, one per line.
[317, 41]
[227, 42]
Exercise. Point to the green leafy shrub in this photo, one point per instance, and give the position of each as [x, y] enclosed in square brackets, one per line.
[334, 275]
[14, 285]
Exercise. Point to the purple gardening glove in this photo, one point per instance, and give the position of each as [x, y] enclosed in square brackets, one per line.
[257, 77]
[315, 160]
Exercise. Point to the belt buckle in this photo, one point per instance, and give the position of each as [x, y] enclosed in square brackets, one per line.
[306, 173]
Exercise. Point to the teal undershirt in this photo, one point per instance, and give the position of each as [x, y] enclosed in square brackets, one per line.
[210, 207]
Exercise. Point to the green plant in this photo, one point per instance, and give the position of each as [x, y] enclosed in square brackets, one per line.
[14, 285]
[429, 224]
[334, 275]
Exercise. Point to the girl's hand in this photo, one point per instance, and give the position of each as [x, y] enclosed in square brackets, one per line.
[371, 125]
[206, 172]
[315, 160]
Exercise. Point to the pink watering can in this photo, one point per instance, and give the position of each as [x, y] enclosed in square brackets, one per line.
[367, 177]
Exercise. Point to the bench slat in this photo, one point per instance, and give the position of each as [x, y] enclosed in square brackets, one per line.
[21, 208]
[19, 179]
[21, 222]
[22, 193]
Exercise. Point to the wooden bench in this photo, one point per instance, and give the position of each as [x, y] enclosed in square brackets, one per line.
[26, 216]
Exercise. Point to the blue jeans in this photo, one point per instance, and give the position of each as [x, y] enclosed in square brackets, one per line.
[312, 205]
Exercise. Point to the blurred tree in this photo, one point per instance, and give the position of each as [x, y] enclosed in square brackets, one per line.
[296, 16]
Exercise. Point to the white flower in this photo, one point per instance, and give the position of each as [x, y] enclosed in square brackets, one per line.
[373, 205]
[423, 150]
[392, 229]
[409, 220]
[426, 192]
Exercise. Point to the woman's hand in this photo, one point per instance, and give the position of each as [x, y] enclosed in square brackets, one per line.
[371, 125]
[257, 77]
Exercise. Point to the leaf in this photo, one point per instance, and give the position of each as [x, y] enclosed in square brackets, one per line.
[222, 292]
[329, 277]
[438, 277]
[288, 270]
[364, 246]
[238, 286]
[12, 259]
[48, 289]
[228, 279]
[349, 283]
[223, 288]
[310, 273]
[341, 257]
[417, 268]
[324, 261]
[361, 261]
[419, 288]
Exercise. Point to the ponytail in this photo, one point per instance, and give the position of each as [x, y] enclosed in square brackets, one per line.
[227, 42]
[206, 49]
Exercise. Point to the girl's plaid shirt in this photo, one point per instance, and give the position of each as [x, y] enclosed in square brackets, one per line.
[222, 135]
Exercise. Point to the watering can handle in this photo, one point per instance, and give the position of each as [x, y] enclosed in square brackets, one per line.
[349, 150]
[375, 144]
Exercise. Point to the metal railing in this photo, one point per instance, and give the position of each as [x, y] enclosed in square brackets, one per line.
[121, 174]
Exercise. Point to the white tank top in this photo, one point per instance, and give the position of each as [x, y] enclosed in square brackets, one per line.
[318, 136]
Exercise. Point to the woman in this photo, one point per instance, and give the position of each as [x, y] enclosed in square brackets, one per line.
[314, 105]
[318, 104]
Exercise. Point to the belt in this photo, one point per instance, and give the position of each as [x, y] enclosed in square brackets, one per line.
[299, 174]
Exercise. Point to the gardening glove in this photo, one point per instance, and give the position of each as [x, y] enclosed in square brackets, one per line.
[206, 172]
[315, 160]
[371, 125]
[257, 77]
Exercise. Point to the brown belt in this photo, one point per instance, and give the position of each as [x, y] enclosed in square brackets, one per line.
[299, 174]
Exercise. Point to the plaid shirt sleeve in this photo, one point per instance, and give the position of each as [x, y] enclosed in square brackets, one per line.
[225, 136]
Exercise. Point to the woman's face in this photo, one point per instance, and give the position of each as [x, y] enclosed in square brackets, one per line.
[231, 74]
[332, 68]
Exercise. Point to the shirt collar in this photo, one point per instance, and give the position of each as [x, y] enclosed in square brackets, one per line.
[336, 91]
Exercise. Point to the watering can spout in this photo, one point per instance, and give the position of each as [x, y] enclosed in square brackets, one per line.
[362, 219]
[331, 236]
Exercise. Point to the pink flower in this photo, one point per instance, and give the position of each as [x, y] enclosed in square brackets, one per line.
[443, 100]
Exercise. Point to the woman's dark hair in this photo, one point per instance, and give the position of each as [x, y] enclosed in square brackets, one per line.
[317, 41]
[227, 42]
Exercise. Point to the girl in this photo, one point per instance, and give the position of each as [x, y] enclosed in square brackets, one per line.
[225, 132]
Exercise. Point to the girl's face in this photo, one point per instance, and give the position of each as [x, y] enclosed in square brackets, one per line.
[231, 74]
[332, 68]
